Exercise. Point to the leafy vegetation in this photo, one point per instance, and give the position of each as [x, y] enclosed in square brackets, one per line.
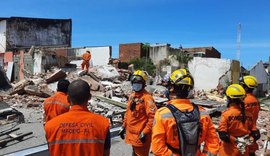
[143, 64]
[183, 58]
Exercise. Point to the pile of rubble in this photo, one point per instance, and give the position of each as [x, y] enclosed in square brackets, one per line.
[212, 95]
[110, 89]
[105, 81]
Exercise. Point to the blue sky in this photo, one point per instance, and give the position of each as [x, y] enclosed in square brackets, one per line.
[191, 23]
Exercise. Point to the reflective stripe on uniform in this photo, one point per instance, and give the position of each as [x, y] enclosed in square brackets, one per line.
[76, 141]
[166, 115]
[204, 113]
[209, 153]
[55, 103]
[169, 115]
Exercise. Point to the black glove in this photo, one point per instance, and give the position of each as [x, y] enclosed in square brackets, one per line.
[122, 133]
[132, 105]
[224, 136]
[255, 134]
[142, 137]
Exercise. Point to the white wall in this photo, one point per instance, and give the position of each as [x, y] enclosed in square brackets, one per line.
[207, 71]
[259, 72]
[37, 62]
[100, 55]
[158, 53]
[3, 28]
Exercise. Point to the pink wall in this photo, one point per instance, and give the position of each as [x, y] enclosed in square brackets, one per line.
[21, 75]
[8, 57]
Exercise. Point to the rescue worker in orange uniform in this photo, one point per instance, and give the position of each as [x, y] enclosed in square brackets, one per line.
[252, 105]
[58, 103]
[139, 116]
[170, 138]
[78, 132]
[235, 124]
[86, 58]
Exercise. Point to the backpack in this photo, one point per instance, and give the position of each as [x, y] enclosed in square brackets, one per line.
[189, 129]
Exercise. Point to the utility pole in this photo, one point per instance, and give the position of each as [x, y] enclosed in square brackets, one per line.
[238, 41]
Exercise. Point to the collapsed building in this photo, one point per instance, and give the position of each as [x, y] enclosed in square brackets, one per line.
[34, 68]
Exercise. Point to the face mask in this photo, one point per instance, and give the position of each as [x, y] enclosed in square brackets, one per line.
[137, 87]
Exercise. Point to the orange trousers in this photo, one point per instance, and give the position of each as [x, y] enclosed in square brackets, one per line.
[85, 64]
[143, 150]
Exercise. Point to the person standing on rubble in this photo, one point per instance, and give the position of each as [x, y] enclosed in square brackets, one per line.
[236, 126]
[252, 105]
[58, 103]
[138, 121]
[78, 132]
[86, 59]
[181, 126]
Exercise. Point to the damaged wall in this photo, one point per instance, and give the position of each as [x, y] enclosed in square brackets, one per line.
[100, 55]
[158, 52]
[208, 71]
[3, 36]
[25, 32]
[261, 75]
[38, 62]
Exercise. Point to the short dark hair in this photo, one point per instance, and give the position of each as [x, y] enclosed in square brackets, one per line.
[79, 92]
[181, 91]
[88, 51]
[62, 85]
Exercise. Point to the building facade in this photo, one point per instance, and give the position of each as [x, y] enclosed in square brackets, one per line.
[209, 52]
[21, 33]
[130, 51]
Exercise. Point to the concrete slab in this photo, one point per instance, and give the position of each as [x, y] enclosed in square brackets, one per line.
[59, 74]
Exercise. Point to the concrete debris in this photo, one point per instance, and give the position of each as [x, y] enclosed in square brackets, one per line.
[94, 85]
[124, 74]
[57, 75]
[212, 95]
[18, 88]
[105, 72]
[9, 113]
[38, 91]
[11, 117]
[110, 90]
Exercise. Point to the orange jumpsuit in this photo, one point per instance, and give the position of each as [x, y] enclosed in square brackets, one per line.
[77, 133]
[139, 120]
[165, 131]
[252, 105]
[85, 63]
[55, 105]
[231, 123]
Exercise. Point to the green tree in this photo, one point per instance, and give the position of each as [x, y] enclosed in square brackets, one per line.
[183, 58]
[146, 48]
[143, 64]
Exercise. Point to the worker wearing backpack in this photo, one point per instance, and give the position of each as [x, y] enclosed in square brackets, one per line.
[181, 127]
